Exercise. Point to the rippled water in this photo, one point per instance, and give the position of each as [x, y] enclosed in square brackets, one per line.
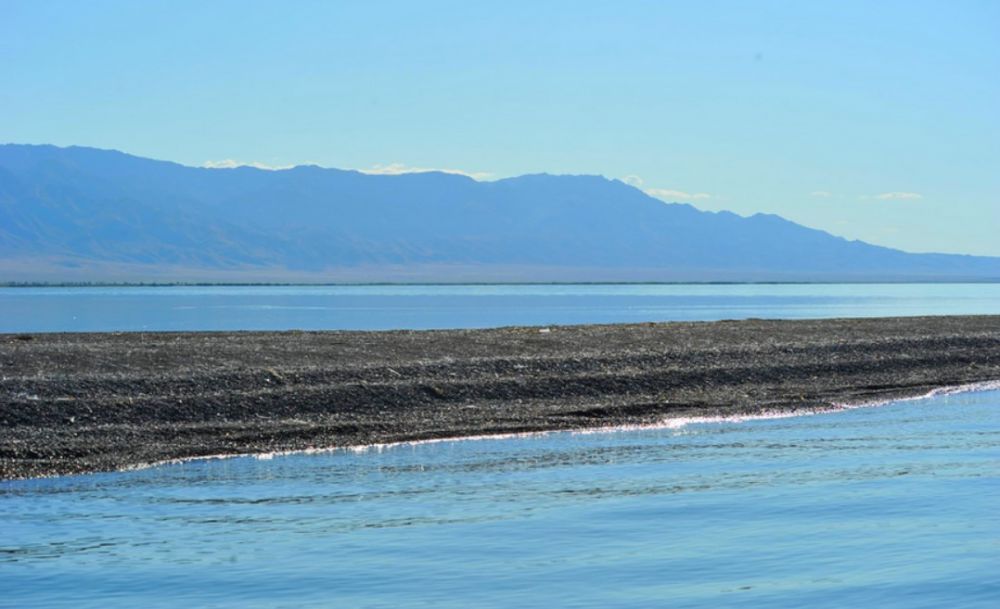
[890, 507]
[466, 306]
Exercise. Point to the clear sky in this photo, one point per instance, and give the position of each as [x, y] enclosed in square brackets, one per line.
[872, 120]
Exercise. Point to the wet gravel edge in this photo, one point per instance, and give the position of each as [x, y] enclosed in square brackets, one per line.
[77, 403]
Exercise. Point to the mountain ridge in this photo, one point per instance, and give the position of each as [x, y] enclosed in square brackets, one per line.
[81, 213]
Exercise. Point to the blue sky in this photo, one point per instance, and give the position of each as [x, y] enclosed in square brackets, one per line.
[872, 120]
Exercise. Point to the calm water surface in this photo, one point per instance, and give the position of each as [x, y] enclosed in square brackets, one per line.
[890, 507]
[466, 306]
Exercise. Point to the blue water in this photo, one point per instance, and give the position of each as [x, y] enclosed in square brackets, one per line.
[466, 306]
[889, 507]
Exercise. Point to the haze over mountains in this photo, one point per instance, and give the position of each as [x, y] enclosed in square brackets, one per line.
[83, 214]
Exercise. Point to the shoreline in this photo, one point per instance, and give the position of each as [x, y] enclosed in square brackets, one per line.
[665, 424]
[78, 403]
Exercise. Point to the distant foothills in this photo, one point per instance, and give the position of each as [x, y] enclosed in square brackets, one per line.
[87, 215]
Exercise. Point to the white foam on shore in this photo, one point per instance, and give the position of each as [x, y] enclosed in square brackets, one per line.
[939, 391]
[668, 423]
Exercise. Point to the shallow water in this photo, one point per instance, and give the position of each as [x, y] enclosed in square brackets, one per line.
[890, 507]
[466, 306]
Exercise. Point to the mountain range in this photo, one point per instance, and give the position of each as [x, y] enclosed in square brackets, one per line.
[84, 214]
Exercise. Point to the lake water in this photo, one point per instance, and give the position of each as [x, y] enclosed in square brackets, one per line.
[466, 306]
[892, 507]
[889, 507]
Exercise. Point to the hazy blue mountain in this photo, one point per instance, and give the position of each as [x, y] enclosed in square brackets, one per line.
[87, 214]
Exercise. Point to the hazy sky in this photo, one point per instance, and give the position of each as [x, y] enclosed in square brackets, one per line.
[872, 120]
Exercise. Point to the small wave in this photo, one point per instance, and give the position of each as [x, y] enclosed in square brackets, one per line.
[675, 423]
[939, 391]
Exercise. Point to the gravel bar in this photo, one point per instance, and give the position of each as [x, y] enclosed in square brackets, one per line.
[77, 403]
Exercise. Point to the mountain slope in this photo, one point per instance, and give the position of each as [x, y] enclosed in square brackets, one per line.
[87, 214]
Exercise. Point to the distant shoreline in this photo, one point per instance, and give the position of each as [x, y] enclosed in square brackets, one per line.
[168, 284]
[75, 403]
